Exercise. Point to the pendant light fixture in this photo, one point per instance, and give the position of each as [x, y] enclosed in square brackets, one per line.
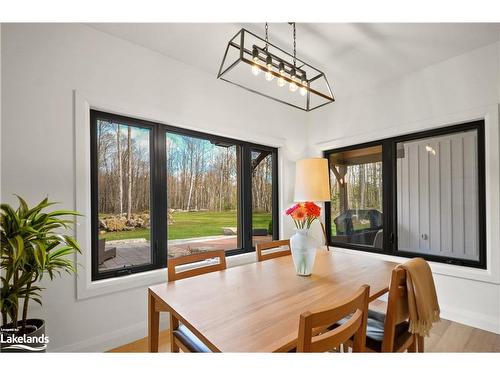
[298, 83]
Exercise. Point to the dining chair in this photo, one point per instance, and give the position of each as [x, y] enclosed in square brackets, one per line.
[388, 332]
[180, 336]
[260, 248]
[315, 335]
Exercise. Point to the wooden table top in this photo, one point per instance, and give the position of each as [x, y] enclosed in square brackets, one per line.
[256, 307]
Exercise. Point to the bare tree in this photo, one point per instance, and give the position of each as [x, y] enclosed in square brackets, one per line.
[129, 173]
[120, 172]
[362, 186]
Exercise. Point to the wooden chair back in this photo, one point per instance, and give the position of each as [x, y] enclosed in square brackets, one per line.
[260, 248]
[354, 308]
[397, 308]
[173, 275]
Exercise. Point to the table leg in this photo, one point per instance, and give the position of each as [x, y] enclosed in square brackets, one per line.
[153, 324]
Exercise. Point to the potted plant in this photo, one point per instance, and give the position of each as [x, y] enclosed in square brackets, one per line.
[31, 247]
[302, 244]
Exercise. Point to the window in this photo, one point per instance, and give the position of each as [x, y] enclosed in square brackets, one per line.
[202, 194]
[415, 195]
[356, 207]
[264, 195]
[159, 192]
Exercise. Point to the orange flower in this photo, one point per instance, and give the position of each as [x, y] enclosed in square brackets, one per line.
[299, 213]
[313, 210]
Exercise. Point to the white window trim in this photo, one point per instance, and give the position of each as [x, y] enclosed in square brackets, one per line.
[85, 287]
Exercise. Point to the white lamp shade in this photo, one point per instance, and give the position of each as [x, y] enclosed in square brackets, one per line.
[312, 182]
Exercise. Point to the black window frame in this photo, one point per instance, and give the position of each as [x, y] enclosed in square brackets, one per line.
[389, 195]
[159, 193]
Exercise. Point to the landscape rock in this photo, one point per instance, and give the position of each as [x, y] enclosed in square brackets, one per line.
[117, 223]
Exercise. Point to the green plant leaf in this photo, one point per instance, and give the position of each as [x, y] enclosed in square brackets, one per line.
[32, 246]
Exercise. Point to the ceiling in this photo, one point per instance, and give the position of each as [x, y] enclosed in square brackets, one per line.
[354, 56]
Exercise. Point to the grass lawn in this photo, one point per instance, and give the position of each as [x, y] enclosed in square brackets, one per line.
[194, 224]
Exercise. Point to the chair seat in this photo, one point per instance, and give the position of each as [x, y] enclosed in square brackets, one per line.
[375, 330]
[193, 343]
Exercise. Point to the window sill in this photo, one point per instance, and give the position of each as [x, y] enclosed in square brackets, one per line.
[118, 284]
[461, 272]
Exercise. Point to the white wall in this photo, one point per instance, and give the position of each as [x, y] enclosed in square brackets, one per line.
[461, 89]
[42, 66]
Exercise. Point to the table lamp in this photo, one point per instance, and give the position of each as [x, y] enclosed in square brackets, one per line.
[312, 183]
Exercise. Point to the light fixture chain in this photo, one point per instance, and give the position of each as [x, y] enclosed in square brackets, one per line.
[267, 35]
[294, 45]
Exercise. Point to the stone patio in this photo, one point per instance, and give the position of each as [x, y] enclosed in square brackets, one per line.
[137, 251]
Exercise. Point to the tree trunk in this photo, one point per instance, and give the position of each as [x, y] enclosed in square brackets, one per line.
[191, 183]
[120, 172]
[129, 172]
[220, 188]
[361, 186]
[344, 189]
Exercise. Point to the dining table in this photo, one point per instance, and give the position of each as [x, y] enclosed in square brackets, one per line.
[256, 307]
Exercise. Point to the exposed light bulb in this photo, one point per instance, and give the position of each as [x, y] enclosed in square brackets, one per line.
[269, 65]
[281, 80]
[293, 86]
[303, 90]
[269, 75]
[255, 65]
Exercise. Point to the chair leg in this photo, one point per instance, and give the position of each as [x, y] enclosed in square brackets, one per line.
[174, 324]
[413, 346]
[420, 345]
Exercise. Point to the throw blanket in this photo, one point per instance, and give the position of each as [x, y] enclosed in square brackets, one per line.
[423, 307]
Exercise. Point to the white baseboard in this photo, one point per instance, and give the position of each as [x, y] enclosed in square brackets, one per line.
[471, 318]
[110, 340]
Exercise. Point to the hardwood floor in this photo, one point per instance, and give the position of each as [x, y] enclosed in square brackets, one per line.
[445, 337]
[141, 346]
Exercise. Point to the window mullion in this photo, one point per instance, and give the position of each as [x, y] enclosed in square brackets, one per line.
[389, 196]
[159, 200]
[246, 198]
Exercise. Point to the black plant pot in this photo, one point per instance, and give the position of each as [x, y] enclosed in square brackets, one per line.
[31, 340]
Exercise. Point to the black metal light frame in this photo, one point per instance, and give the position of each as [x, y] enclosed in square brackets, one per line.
[300, 68]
